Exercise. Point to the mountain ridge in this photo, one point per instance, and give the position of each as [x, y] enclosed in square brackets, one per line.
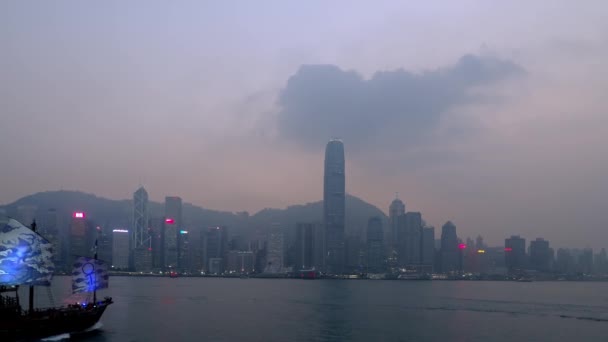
[118, 213]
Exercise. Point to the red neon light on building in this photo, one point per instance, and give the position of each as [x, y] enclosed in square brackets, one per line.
[78, 214]
[169, 221]
[462, 246]
[508, 249]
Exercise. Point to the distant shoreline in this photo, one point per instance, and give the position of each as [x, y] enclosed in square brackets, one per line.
[285, 276]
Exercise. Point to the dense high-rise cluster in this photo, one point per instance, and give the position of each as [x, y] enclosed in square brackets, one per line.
[401, 245]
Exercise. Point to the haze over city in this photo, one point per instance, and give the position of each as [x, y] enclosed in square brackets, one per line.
[493, 119]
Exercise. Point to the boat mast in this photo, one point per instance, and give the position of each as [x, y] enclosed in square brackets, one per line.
[95, 288]
[31, 308]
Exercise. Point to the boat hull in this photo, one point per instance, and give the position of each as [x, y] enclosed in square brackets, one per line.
[51, 322]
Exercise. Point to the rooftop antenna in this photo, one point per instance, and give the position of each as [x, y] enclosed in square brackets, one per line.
[396, 195]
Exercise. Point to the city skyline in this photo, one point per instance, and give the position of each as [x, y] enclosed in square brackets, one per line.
[493, 123]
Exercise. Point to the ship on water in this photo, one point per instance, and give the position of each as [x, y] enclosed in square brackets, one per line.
[26, 259]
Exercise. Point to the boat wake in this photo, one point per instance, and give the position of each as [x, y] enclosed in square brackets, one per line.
[96, 326]
[57, 337]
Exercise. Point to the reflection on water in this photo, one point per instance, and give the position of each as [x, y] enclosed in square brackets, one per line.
[216, 309]
[333, 312]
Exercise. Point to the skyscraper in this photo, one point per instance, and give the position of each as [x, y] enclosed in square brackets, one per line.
[428, 247]
[334, 203]
[515, 253]
[120, 249]
[305, 246]
[140, 233]
[375, 245]
[540, 255]
[80, 237]
[396, 209]
[409, 239]
[172, 227]
[275, 249]
[216, 249]
[450, 254]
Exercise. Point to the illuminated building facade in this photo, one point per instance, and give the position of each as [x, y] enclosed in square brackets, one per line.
[81, 236]
[141, 238]
[275, 250]
[172, 227]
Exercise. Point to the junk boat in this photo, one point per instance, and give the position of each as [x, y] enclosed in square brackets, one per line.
[26, 259]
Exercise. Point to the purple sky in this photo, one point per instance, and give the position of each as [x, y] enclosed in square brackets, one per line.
[492, 115]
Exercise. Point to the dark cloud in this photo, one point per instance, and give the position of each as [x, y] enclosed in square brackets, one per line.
[323, 101]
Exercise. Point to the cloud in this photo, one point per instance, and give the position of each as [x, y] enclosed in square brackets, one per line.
[323, 101]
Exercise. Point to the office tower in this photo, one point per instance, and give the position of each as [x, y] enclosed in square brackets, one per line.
[428, 248]
[515, 253]
[334, 206]
[156, 234]
[305, 246]
[80, 237]
[275, 248]
[540, 255]
[375, 245]
[172, 227]
[120, 249]
[195, 250]
[414, 237]
[396, 209]
[409, 240]
[104, 239]
[183, 248]
[141, 243]
[216, 249]
[450, 253]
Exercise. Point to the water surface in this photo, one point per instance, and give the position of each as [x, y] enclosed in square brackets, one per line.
[222, 309]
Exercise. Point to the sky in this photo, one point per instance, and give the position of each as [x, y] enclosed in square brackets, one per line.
[490, 114]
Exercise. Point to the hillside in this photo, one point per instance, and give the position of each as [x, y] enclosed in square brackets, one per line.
[117, 213]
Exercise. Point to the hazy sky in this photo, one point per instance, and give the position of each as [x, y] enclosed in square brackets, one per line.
[491, 114]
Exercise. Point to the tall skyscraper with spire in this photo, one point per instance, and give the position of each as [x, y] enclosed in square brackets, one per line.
[396, 209]
[140, 218]
[334, 203]
[141, 240]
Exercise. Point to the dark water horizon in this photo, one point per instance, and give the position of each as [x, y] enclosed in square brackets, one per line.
[227, 309]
